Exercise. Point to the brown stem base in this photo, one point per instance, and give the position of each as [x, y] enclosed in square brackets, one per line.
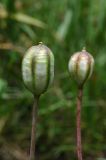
[79, 105]
[34, 125]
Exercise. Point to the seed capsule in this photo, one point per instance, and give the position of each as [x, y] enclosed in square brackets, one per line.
[38, 69]
[81, 66]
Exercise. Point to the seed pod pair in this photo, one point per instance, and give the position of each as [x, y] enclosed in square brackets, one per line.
[38, 68]
[38, 74]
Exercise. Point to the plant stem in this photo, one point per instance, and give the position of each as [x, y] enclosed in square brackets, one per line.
[79, 105]
[34, 125]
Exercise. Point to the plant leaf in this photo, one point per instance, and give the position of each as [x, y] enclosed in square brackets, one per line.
[63, 28]
[20, 17]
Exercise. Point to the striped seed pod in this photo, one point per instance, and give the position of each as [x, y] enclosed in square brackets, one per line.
[81, 66]
[38, 69]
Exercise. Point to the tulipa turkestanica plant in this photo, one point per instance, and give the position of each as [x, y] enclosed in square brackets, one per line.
[80, 68]
[38, 75]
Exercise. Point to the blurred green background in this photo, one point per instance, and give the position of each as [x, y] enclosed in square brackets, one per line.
[65, 26]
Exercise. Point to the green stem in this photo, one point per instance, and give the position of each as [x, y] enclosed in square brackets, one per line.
[79, 105]
[34, 125]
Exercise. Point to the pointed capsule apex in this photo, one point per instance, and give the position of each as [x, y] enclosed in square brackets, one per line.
[84, 49]
[40, 42]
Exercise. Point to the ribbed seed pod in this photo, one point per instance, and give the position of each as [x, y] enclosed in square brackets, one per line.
[38, 69]
[81, 66]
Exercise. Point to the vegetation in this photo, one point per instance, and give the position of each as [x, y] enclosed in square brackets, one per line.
[65, 26]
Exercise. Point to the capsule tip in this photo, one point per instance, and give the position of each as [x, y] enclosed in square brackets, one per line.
[40, 42]
[84, 49]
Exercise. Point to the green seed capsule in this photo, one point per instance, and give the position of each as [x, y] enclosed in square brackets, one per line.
[38, 69]
[81, 66]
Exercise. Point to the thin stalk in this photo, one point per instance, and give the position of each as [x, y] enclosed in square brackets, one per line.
[79, 106]
[34, 125]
